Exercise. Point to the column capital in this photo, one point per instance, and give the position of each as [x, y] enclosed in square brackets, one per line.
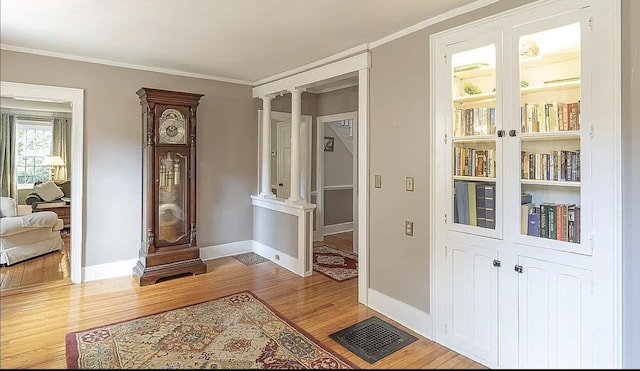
[267, 97]
[297, 90]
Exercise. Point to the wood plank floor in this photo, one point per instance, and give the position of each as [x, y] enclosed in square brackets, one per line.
[48, 268]
[35, 319]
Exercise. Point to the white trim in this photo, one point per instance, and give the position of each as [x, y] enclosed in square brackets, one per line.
[108, 270]
[312, 65]
[278, 204]
[302, 79]
[226, 249]
[338, 228]
[285, 261]
[431, 21]
[332, 88]
[338, 187]
[76, 98]
[402, 313]
[362, 217]
[106, 62]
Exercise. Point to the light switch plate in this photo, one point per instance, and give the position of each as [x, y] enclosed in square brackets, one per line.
[408, 228]
[409, 183]
[377, 181]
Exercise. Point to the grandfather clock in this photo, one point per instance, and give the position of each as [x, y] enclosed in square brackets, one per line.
[169, 245]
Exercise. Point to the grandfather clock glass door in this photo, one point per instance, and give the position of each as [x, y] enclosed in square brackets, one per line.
[172, 221]
[169, 241]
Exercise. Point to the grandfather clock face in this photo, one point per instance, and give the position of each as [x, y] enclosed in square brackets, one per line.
[171, 126]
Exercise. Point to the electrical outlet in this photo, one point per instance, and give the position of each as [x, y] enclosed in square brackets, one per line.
[409, 183]
[277, 257]
[408, 228]
[377, 181]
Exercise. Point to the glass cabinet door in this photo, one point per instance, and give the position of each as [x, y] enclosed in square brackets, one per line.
[551, 140]
[172, 197]
[473, 146]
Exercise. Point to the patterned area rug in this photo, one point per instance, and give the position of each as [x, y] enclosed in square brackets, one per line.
[250, 258]
[239, 331]
[336, 264]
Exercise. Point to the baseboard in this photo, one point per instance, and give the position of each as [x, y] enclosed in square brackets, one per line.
[108, 270]
[402, 313]
[283, 260]
[227, 249]
[338, 228]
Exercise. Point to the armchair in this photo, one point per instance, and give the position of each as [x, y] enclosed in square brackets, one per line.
[24, 234]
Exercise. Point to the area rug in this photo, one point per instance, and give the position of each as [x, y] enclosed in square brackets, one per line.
[239, 331]
[250, 258]
[336, 264]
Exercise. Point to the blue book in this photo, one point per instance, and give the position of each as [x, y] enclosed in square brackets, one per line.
[533, 228]
[462, 201]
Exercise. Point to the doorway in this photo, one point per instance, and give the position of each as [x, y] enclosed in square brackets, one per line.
[75, 98]
[336, 176]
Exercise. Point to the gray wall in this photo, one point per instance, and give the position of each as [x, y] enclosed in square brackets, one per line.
[631, 183]
[399, 147]
[227, 151]
[285, 226]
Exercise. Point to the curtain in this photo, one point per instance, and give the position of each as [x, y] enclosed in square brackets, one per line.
[8, 179]
[61, 146]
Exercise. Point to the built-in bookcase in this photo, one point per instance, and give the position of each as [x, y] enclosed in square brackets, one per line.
[516, 127]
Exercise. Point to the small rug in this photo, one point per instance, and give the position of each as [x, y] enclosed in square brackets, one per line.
[238, 331]
[250, 258]
[336, 264]
[372, 339]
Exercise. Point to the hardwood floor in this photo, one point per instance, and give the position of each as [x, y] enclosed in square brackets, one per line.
[49, 268]
[35, 319]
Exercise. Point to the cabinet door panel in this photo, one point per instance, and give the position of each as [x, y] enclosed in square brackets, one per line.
[474, 301]
[553, 315]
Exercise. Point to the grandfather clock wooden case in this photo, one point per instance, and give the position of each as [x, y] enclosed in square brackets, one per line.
[169, 244]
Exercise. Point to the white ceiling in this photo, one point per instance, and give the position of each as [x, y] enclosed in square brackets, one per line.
[243, 41]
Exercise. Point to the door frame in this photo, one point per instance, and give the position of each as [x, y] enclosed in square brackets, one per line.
[76, 97]
[321, 121]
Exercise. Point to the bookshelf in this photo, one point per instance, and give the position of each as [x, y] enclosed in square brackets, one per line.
[518, 178]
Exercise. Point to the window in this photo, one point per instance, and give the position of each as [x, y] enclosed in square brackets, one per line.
[33, 143]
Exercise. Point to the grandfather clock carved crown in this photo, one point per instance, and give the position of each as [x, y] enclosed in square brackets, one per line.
[168, 234]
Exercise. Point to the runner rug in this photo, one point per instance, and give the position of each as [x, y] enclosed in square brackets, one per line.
[336, 264]
[239, 331]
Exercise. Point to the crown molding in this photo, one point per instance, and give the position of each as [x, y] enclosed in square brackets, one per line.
[120, 64]
[431, 21]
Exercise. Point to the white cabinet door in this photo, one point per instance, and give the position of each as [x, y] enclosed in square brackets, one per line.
[473, 322]
[553, 315]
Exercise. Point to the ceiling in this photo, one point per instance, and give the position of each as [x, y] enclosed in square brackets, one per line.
[243, 41]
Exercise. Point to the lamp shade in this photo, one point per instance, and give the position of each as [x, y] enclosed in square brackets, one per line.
[53, 161]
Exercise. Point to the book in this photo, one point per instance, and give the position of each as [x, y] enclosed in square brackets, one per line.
[525, 198]
[490, 205]
[559, 222]
[525, 210]
[571, 223]
[481, 210]
[551, 223]
[544, 221]
[473, 217]
[462, 201]
[533, 228]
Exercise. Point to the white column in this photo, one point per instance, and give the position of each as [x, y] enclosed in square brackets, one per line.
[295, 145]
[266, 147]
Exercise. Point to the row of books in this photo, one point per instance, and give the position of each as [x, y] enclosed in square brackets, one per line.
[474, 162]
[563, 165]
[474, 204]
[474, 121]
[550, 117]
[548, 220]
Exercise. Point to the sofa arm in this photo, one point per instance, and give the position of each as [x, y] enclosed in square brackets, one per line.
[19, 224]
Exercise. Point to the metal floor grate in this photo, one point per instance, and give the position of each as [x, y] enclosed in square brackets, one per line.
[372, 339]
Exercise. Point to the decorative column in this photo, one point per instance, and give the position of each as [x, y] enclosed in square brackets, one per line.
[266, 147]
[295, 145]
